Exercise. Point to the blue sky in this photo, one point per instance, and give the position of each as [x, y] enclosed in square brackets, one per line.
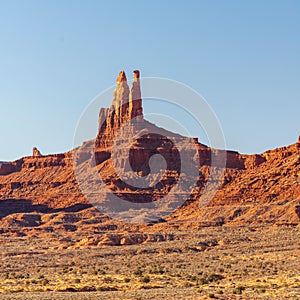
[56, 56]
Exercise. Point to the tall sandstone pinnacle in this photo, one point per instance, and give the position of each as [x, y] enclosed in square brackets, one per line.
[135, 100]
[126, 106]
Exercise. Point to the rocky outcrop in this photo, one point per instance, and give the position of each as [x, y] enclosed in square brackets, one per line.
[126, 106]
[114, 239]
[123, 120]
[254, 160]
[36, 152]
[10, 167]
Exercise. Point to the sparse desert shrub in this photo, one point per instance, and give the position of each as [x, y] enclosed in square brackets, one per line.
[208, 278]
[214, 277]
[188, 284]
[138, 272]
[157, 270]
[106, 288]
[87, 289]
[81, 289]
[108, 279]
[45, 281]
[145, 279]
[192, 277]
[238, 290]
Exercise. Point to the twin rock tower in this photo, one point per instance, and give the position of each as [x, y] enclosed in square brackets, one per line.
[126, 106]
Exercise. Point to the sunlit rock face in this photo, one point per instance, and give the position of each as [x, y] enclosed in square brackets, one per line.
[126, 106]
[140, 161]
[36, 152]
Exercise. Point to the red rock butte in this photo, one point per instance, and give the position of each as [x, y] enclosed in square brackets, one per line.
[255, 189]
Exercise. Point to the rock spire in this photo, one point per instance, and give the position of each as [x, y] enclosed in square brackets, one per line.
[126, 106]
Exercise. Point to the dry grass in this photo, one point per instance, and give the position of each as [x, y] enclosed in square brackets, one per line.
[219, 262]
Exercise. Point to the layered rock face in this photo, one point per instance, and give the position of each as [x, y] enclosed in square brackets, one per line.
[127, 142]
[140, 162]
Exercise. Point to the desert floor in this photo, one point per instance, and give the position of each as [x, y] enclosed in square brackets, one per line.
[215, 262]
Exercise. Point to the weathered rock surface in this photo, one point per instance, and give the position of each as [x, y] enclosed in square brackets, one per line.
[40, 193]
[36, 152]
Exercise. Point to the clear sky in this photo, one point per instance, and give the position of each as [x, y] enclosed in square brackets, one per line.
[56, 56]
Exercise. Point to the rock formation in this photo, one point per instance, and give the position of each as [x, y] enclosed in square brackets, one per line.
[123, 120]
[259, 188]
[126, 106]
[36, 152]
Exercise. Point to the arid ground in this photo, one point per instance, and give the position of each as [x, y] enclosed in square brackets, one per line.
[218, 262]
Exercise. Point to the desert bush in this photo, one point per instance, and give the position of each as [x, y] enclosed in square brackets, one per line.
[208, 278]
[45, 281]
[106, 288]
[238, 290]
[157, 270]
[138, 272]
[188, 284]
[145, 279]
